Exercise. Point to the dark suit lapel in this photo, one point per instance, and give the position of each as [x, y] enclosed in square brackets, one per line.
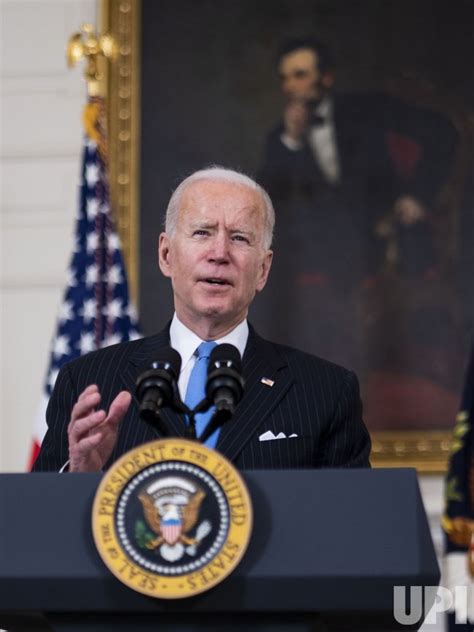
[140, 361]
[260, 361]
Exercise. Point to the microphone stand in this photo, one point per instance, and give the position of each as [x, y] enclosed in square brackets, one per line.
[202, 407]
[217, 420]
[181, 408]
[190, 427]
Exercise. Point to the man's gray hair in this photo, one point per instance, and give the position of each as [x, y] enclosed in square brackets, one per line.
[221, 174]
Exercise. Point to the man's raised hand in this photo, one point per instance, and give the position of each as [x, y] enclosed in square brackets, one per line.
[92, 433]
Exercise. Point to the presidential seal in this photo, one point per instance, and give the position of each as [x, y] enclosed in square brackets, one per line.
[172, 518]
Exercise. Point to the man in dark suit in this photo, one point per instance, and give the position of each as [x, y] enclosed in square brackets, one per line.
[297, 410]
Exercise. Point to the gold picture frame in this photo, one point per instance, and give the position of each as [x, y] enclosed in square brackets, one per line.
[121, 18]
[428, 451]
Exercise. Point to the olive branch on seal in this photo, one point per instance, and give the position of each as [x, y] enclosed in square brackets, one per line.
[142, 535]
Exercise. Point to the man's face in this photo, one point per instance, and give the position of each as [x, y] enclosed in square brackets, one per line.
[300, 77]
[215, 257]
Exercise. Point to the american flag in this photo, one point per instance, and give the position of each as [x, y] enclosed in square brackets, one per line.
[96, 309]
[458, 519]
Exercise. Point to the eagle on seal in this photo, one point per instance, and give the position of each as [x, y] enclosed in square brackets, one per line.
[171, 521]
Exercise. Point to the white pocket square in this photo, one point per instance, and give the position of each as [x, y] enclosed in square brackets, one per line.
[269, 436]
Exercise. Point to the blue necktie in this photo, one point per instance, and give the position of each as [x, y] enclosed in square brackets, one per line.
[196, 390]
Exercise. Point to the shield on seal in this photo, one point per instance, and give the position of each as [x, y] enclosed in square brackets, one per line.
[171, 528]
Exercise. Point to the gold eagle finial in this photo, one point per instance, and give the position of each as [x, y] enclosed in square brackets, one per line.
[93, 47]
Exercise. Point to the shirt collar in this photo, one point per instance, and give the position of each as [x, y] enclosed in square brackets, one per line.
[186, 341]
[325, 108]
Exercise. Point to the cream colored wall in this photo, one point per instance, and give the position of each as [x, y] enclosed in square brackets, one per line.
[40, 105]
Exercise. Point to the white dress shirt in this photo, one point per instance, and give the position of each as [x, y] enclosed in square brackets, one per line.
[186, 342]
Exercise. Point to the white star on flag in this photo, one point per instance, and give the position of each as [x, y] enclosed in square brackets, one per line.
[113, 243]
[113, 339]
[52, 377]
[92, 274]
[92, 175]
[92, 240]
[114, 277]
[131, 312]
[65, 312]
[71, 277]
[87, 342]
[92, 208]
[89, 310]
[61, 346]
[113, 309]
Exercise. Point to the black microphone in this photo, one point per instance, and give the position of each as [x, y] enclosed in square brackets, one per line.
[225, 385]
[156, 387]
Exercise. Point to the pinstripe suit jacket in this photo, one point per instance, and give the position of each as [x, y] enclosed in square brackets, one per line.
[310, 397]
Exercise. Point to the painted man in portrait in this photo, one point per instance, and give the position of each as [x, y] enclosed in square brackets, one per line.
[350, 175]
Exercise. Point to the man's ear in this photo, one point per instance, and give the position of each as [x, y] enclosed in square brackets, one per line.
[265, 270]
[164, 254]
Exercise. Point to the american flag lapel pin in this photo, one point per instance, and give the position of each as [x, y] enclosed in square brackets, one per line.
[267, 381]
